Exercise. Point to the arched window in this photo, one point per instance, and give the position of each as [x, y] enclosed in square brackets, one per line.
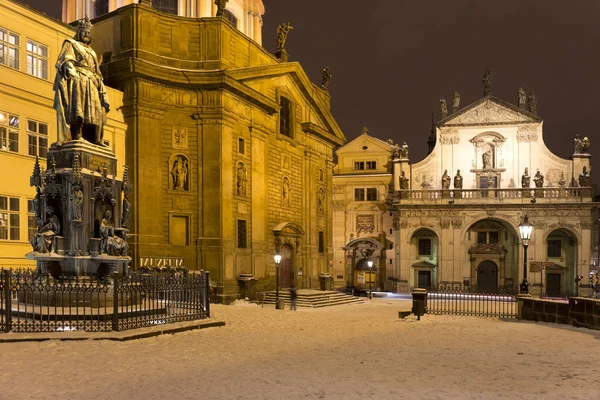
[166, 6]
[100, 8]
[232, 18]
[285, 116]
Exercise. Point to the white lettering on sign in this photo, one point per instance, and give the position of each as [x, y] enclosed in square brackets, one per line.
[161, 262]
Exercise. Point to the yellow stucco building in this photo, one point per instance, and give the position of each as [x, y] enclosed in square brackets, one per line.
[29, 45]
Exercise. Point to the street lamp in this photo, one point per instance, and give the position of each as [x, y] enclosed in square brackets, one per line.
[277, 261]
[370, 264]
[525, 229]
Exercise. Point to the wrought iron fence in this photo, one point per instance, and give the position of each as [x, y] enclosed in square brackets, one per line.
[466, 300]
[34, 303]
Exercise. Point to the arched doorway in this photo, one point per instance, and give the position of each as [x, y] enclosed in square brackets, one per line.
[286, 267]
[487, 277]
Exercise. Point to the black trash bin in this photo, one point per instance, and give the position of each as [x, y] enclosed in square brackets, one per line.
[419, 302]
[324, 280]
[247, 284]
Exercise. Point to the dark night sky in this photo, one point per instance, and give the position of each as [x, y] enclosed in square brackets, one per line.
[392, 60]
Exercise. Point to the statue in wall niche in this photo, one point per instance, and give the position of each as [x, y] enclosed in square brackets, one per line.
[221, 4]
[538, 179]
[443, 108]
[562, 181]
[326, 77]
[80, 100]
[43, 240]
[179, 173]
[126, 211]
[487, 159]
[487, 81]
[446, 180]
[321, 201]
[458, 180]
[526, 179]
[455, 101]
[282, 33]
[77, 202]
[241, 180]
[403, 181]
[111, 244]
[522, 97]
[285, 192]
[584, 178]
[404, 150]
[532, 104]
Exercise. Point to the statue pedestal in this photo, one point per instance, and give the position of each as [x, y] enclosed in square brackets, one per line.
[282, 55]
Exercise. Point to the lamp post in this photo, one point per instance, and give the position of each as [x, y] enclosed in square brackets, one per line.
[370, 264]
[525, 229]
[277, 261]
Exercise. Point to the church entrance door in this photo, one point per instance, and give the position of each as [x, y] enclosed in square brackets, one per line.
[553, 282]
[487, 277]
[286, 267]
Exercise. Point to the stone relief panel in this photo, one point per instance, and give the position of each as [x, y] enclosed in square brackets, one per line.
[285, 162]
[486, 113]
[338, 205]
[339, 189]
[179, 137]
[179, 172]
[365, 223]
[527, 133]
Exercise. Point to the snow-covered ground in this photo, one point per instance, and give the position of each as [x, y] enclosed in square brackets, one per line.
[358, 351]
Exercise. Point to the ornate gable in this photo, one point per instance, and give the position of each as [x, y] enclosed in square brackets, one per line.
[489, 111]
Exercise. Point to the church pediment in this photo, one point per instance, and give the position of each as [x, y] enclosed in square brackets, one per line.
[489, 111]
[372, 144]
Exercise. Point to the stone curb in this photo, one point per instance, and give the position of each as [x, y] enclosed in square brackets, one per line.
[123, 336]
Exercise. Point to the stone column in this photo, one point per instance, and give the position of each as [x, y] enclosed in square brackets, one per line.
[258, 22]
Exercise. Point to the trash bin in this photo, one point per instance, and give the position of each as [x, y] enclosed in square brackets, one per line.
[247, 284]
[419, 307]
[324, 280]
[281, 304]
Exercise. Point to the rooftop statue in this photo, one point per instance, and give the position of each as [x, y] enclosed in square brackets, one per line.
[532, 104]
[538, 179]
[80, 100]
[446, 180]
[522, 97]
[282, 32]
[525, 179]
[455, 101]
[221, 4]
[458, 180]
[443, 108]
[487, 81]
[326, 78]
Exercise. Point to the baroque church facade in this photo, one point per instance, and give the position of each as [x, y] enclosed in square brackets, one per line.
[230, 148]
[452, 218]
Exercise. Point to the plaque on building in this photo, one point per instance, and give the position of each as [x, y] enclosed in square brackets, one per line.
[179, 138]
[365, 223]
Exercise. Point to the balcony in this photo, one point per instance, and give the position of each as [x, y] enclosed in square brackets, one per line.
[494, 196]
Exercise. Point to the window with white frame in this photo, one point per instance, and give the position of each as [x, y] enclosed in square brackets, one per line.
[9, 48]
[37, 59]
[9, 132]
[9, 218]
[37, 133]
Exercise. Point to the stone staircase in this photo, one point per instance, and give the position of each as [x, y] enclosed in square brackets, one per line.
[312, 298]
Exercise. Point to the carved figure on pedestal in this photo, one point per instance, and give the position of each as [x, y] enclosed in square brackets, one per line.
[221, 4]
[538, 179]
[179, 173]
[487, 81]
[562, 181]
[577, 148]
[584, 178]
[126, 211]
[487, 159]
[532, 105]
[326, 78]
[285, 192]
[526, 179]
[80, 100]
[111, 244]
[43, 240]
[321, 201]
[585, 144]
[282, 33]
[445, 180]
[522, 97]
[403, 182]
[77, 202]
[458, 180]
[443, 108]
[241, 180]
[404, 150]
[396, 150]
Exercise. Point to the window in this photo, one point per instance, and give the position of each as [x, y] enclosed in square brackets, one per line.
[241, 146]
[372, 194]
[9, 218]
[38, 138]
[321, 242]
[359, 194]
[554, 248]
[371, 164]
[359, 165]
[487, 237]
[232, 18]
[242, 234]
[424, 247]
[37, 59]
[321, 175]
[481, 237]
[166, 6]
[493, 237]
[285, 116]
[31, 222]
[9, 132]
[9, 48]
[100, 8]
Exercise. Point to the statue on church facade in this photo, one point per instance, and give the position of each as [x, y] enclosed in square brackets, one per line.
[221, 4]
[80, 100]
[443, 108]
[455, 101]
[43, 240]
[403, 181]
[487, 81]
[126, 211]
[526, 179]
[77, 201]
[532, 104]
[538, 179]
[404, 150]
[241, 180]
[446, 180]
[111, 244]
[326, 77]
[458, 180]
[562, 181]
[487, 159]
[282, 33]
[522, 97]
[584, 177]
